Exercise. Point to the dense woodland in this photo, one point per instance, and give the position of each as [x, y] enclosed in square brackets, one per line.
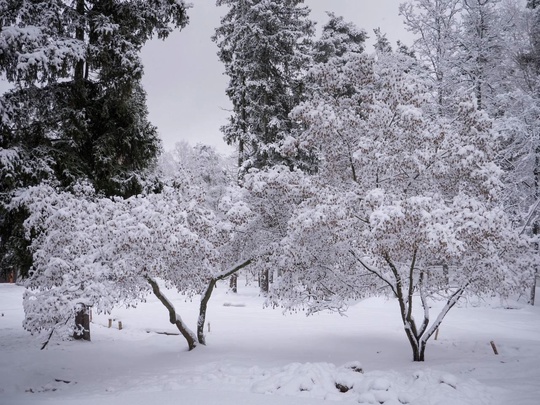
[407, 171]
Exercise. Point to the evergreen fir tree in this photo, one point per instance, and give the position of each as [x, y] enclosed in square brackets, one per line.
[337, 39]
[265, 47]
[382, 44]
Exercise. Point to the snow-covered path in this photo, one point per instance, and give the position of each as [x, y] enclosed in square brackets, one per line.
[260, 356]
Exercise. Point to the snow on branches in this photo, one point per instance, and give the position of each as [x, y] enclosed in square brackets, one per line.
[408, 202]
[101, 251]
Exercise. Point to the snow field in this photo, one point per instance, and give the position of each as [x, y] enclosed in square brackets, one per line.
[260, 356]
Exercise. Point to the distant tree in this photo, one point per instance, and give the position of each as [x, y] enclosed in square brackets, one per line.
[337, 39]
[339, 43]
[382, 44]
[519, 119]
[484, 65]
[533, 57]
[341, 84]
[435, 24]
[76, 109]
[265, 47]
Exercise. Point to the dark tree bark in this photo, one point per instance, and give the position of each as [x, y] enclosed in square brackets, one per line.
[208, 293]
[418, 336]
[264, 281]
[82, 323]
[174, 318]
[202, 311]
[532, 297]
[233, 283]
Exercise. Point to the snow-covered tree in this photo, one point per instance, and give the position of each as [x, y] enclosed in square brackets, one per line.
[271, 196]
[76, 108]
[76, 71]
[485, 64]
[338, 38]
[416, 213]
[518, 119]
[532, 58]
[265, 47]
[339, 85]
[435, 24]
[104, 252]
[382, 44]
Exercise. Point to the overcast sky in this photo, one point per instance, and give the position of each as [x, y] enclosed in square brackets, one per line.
[184, 79]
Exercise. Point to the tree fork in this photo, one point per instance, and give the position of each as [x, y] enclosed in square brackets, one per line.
[206, 297]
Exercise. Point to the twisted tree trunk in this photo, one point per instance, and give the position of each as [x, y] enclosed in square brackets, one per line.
[174, 318]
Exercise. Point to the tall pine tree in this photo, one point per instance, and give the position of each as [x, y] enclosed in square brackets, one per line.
[265, 47]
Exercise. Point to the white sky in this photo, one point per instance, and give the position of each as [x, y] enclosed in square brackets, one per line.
[184, 79]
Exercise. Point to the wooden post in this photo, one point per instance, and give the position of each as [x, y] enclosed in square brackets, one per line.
[82, 322]
[492, 343]
[119, 325]
[437, 334]
[110, 322]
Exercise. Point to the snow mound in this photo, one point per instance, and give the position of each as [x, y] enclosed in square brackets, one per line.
[319, 380]
[348, 382]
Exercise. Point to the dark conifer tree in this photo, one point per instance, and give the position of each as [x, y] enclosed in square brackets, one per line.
[265, 47]
[76, 108]
[338, 38]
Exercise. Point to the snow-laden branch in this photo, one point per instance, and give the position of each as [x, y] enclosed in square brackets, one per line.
[452, 300]
[377, 273]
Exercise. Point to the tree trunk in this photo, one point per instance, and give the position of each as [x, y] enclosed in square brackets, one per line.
[233, 283]
[208, 293]
[421, 352]
[264, 281]
[533, 289]
[446, 273]
[174, 318]
[202, 311]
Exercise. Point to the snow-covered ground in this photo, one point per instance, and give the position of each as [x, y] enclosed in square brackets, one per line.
[260, 356]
